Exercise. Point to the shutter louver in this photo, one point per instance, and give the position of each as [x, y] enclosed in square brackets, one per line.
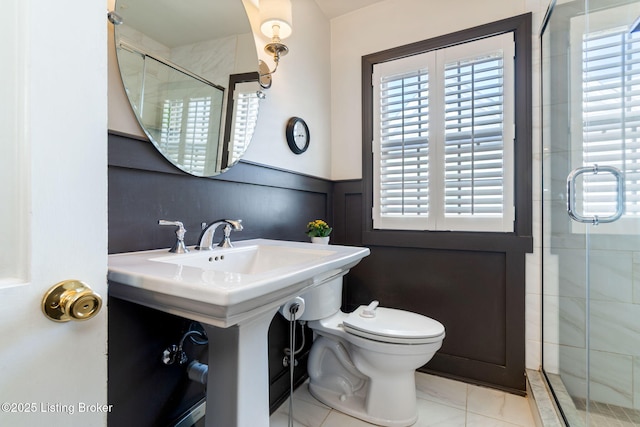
[474, 173]
[404, 144]
[171, 133]
[197, 132]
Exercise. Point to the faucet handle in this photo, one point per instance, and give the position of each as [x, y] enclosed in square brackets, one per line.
[235, 223]
[178, 247]
[229, 225]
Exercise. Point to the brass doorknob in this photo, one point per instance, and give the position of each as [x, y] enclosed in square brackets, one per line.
[71, 300]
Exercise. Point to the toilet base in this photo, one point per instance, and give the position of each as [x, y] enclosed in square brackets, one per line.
[355, 406]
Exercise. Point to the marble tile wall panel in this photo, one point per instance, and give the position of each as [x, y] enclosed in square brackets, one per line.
[551, 357]
[572, 363]
[610, 275]
[216, 58]
[636, 277]
[551, 315]
[615, 327]
[571, 273]
[614, 332]
[610, 375]
[569, 329]
[611, 378]
[636, 382]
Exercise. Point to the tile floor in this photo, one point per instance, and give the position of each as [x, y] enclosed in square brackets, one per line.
[605, 415]
[441, 402]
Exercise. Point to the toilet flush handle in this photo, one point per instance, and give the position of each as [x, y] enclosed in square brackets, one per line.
[370, 310]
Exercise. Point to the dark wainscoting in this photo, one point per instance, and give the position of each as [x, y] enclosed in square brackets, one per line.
[143, 188]
[473, 284]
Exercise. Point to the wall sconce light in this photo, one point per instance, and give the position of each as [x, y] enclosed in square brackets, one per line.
[114, 18]
[276, 20]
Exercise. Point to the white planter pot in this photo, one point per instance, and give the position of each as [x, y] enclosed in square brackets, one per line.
[320, 240]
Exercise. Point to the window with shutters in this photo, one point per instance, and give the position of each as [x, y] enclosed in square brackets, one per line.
[443, 138]
[611, 120]
[185, 133]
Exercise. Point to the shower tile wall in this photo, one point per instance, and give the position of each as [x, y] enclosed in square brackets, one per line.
[533, 300]
[614, 313]
[612, 329]
[216, 58]
[614, 298]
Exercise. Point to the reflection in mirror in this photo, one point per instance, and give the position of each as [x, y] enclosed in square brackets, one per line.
[189, 73]
[242, 116]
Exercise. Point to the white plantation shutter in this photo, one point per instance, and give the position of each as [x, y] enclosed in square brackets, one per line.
[185, 131]
[611, 117]
[401, 148]
[245, 118]
[404, 148]
[171, 131]
[443, 139]
[197, 132]
[478, 135]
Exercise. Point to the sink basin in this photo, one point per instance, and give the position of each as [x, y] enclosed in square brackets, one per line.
[253, 260]
[234, 292]
[225, 286]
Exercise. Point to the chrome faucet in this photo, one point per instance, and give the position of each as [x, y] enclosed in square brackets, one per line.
[206, 237]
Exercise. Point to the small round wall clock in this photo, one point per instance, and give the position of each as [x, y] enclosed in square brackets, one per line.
[297, 135]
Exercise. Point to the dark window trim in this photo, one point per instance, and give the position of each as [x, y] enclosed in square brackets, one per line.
[234, 79]
[519, 240]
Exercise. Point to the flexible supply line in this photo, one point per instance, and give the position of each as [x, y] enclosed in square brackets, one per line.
[292, 345]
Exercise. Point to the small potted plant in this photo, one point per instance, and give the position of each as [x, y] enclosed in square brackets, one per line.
[319, 231]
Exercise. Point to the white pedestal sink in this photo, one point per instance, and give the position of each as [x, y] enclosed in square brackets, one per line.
[234, 293]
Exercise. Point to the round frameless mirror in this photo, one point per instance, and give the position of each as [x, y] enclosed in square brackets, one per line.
[190, 73]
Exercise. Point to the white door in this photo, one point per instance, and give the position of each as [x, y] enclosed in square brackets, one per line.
[53, 209]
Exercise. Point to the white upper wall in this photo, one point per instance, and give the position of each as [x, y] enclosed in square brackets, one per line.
[300, 88]
[320, 79]
[386, 25]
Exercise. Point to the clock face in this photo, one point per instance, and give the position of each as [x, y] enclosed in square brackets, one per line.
[297, 135]
[300, 134]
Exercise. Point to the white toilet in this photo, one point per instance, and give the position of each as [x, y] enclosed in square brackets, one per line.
[363, 363]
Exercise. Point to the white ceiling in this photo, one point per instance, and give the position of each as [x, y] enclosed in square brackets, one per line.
[333, 8]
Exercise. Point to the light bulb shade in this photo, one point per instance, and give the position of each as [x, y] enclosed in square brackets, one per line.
[276, 13]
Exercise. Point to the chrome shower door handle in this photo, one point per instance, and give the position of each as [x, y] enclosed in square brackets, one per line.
[571, 197]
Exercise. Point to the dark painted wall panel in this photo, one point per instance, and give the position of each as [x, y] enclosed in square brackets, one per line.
[144, 391]
[475, 288]
[475, 291]
[143, 188]
[465, 291]
[137, 200]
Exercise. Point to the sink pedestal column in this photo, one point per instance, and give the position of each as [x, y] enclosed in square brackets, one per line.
[238, 375]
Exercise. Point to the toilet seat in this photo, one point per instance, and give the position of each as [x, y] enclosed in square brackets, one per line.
[393, 326]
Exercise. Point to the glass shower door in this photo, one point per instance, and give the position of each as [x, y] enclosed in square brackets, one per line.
[591, 210]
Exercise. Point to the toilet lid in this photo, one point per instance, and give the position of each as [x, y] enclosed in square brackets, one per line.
[394, 326]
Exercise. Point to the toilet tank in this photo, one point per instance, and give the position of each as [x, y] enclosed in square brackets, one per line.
[323, 300]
